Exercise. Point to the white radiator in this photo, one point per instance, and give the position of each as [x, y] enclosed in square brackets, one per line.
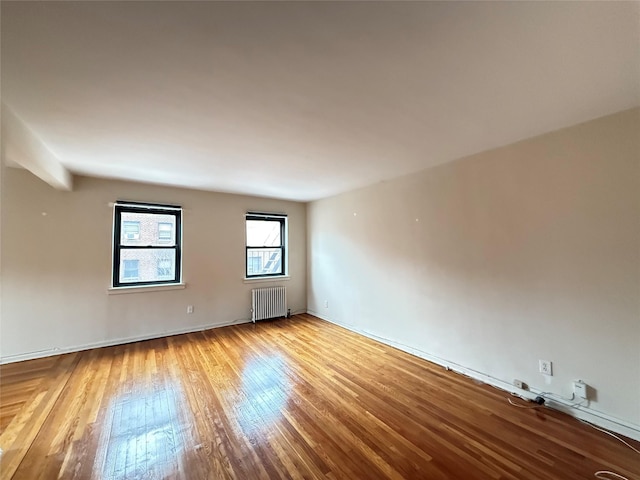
[269, 302]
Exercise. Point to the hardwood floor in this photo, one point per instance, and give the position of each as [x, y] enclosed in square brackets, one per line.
[298, 398]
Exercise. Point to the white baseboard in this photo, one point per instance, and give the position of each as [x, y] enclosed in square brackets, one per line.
[121, 341]
[109, 343]
[590, 415]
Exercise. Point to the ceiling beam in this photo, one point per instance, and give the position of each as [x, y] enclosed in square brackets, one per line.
[22, 147]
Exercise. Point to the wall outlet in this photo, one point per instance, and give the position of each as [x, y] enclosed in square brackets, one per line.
[189, 308]
[326, 304]
[580, 389]
[520, 384]
[545, 367]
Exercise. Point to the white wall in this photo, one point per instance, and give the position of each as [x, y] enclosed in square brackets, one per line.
[56, 269]
[492, 262]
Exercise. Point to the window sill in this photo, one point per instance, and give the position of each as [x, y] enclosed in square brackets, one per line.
[146, 288]
[281, 278]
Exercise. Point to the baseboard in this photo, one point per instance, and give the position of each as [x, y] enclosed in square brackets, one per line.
[121, 341]
[595, 417]
[109, 343]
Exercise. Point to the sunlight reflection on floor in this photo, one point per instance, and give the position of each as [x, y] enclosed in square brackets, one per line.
[265, 388]
[145, 439]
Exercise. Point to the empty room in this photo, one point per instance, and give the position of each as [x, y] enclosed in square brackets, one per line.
[320, 240]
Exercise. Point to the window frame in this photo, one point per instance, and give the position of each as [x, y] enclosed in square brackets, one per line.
[121, 207]
[270, 217]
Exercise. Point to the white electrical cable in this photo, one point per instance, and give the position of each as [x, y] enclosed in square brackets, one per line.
[523, 406]
[609, 475]
[575, 405]
[551, 396]
[535, 404]
[611, 434]
[580, 404]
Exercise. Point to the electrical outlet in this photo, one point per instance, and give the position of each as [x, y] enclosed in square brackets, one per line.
[545, 367]
[580, 389]
[189, 308]
[326, 304]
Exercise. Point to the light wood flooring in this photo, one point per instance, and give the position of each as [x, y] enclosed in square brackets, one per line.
[297, 398]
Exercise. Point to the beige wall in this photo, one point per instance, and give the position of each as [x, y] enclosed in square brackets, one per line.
[527, 252]
[492, 262]
[56, 269]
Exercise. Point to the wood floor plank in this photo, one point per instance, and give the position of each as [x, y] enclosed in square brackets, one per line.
[298, 398]
[18, 439]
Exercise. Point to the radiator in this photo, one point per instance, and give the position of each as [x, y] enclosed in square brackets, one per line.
[270, 302]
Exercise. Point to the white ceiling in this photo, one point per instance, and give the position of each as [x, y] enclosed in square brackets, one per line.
[301, 100]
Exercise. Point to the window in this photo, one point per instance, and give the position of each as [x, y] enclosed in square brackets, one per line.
[131, 230]
[131, 269]
[265, 245]
[254, 264]
[164, 268]
[146, 244]
[165, 232]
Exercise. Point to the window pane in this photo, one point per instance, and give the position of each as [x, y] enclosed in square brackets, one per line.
[130, 230]
[130, 269]
[165, 268]
[165, 232]
[147, 229]
[263, 233]
[264, 261]
[147, 265]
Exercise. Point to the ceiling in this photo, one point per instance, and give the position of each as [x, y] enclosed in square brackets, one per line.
[302, 100]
